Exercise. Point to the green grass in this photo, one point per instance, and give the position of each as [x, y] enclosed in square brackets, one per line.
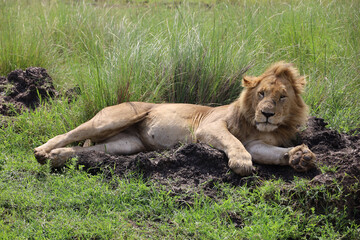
[187, 52]
[168, 51]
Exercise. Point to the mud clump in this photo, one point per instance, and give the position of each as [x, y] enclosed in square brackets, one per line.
[180, 167]
[22, 90]
[340, 153]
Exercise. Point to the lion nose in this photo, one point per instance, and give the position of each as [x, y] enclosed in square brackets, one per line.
[267, 114]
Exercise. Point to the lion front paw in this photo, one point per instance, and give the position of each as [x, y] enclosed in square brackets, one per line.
[301, 158]
[242, 165]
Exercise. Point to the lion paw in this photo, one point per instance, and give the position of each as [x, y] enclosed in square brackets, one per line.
[301, 158]
[242, 166]
[59, 156]
[40, 155]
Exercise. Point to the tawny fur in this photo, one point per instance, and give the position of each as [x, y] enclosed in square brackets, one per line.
[258, 126]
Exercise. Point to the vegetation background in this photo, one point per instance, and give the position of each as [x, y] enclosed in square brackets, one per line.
[177, 51]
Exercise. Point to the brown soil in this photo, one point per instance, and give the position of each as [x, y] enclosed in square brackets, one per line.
[23, 90]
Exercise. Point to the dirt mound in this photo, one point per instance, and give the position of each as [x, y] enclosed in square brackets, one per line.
[23, 90]
[195, 166]
[340, 153]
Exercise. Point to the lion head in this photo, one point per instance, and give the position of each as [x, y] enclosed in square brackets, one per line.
[272, 101]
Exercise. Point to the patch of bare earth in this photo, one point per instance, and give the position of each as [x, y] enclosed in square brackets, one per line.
[24, 90]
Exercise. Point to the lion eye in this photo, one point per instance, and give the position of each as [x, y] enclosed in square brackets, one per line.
[261, 94]
[282, 97]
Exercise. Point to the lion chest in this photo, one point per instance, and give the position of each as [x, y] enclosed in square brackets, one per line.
[256, 135]
[268, 138]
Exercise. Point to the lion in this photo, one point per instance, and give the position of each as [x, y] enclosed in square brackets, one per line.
[257, 127]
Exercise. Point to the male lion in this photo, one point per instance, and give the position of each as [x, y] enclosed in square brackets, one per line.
[264, 117]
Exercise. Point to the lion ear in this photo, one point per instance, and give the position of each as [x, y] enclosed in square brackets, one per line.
[299, 84]
[288, 71]
[249, 81]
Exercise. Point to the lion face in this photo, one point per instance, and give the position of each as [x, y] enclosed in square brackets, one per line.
[274, 97]
[272, 103]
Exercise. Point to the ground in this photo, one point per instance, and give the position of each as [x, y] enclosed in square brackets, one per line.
[199, 167]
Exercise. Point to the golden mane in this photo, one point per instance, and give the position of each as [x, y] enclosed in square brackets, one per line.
[244, 109]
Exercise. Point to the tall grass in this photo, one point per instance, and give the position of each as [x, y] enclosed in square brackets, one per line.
[186, 51]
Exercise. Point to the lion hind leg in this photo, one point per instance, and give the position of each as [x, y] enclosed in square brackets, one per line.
[121, 144]
[107, 123]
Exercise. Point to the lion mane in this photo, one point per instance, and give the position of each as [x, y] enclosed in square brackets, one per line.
[243, 117]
